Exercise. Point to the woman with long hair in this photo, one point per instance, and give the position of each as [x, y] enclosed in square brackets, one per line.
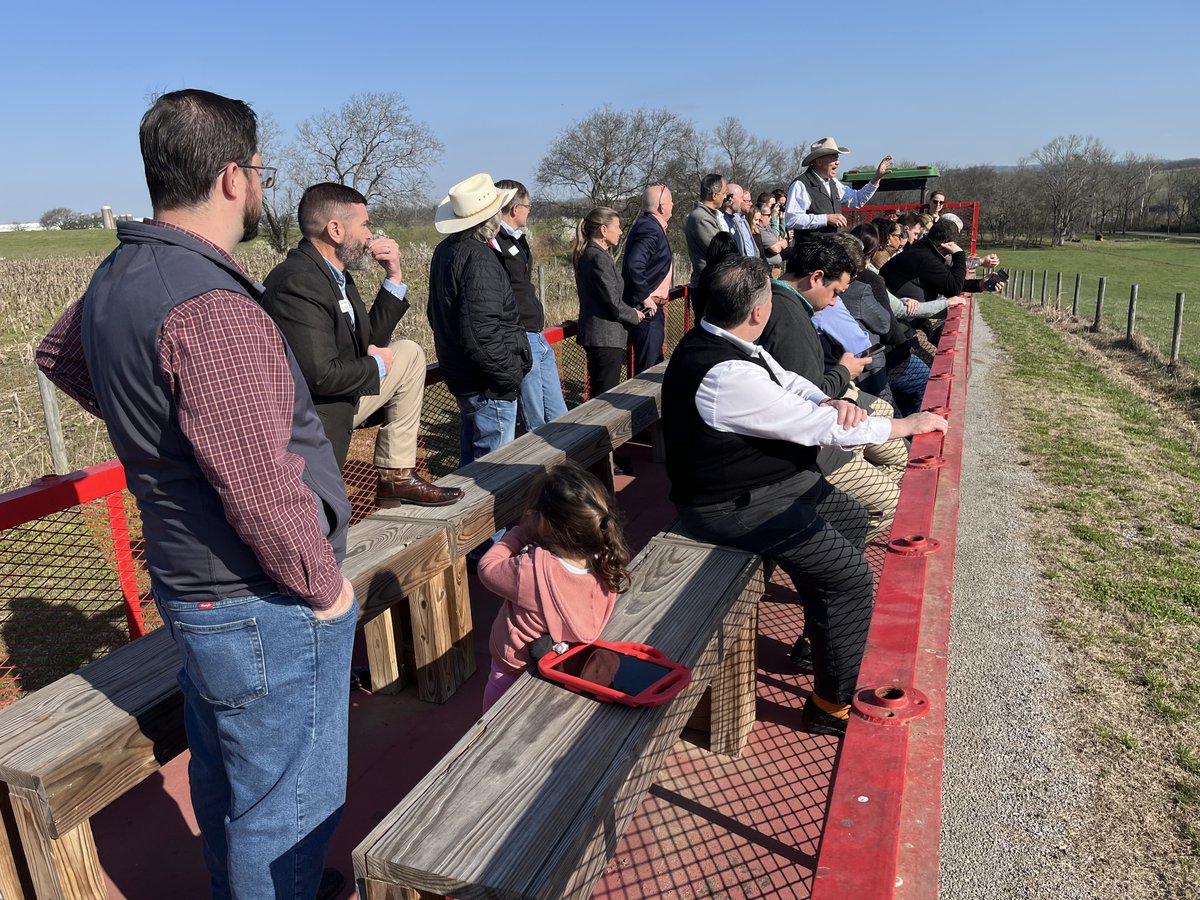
[604, 320]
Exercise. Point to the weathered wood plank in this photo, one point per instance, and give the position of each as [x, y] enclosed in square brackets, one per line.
[86, 739]
[64, 867]
[495, 486]
[461, 626]
[15, 882]
[433, 643]
[507, 802]
[388, 558]
[733, 686]
[385, 652]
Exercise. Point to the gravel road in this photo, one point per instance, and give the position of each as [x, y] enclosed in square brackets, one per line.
[1009, 788]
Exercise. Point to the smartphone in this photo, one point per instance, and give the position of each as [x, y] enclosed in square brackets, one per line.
[872, 350]
[994, 279]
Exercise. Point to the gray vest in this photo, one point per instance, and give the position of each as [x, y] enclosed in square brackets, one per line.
[819, 203]
[192, 552]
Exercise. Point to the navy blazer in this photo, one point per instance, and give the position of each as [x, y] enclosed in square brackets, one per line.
[647, 259]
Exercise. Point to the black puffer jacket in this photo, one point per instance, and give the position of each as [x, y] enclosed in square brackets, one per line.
[920, 273]
[481, 346]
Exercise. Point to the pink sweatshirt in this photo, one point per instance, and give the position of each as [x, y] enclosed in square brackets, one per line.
[541, 596]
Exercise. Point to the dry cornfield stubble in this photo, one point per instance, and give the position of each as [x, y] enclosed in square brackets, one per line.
[35, 291]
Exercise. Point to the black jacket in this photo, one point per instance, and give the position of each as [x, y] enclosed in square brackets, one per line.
[920, 273]
[518, 263]
[303, 299]
[481, 346]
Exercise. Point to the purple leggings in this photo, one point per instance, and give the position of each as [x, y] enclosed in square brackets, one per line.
[499, 681]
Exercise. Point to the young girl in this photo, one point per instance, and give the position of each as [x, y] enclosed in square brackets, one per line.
[558, 572]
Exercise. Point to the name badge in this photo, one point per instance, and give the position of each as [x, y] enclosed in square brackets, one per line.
[344, 305]
[513, 251]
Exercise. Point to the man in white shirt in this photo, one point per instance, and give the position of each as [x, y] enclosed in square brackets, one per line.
[741, 437]
[815, 200]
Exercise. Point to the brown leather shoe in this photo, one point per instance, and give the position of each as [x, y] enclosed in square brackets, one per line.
[398, 486]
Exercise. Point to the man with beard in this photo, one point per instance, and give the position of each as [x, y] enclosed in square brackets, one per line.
[244, 512]
[356, 373]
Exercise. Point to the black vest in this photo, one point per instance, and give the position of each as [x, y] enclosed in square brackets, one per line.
[705, 465]
[519, 266]
[191, 549]
[819, 204]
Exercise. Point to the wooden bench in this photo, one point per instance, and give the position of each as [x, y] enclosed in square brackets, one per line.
[533, 800]
[494, 489]
[70, 749]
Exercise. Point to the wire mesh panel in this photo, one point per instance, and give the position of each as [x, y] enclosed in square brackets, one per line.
[74, 585]
[62, 603]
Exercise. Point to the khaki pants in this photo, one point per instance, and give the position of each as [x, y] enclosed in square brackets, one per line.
[400, 399]
[873, 476]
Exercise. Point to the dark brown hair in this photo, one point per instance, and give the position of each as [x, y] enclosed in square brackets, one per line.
[577, 518]
[187, 138]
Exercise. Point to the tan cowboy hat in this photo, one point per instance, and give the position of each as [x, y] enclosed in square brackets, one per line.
[470, 202]
[823, 147]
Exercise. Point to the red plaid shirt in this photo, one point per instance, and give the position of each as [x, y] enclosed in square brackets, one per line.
[225, 362]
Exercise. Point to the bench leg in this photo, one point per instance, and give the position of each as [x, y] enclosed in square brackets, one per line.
[733, 689]
[14, 876]
[385, 652]
[442, 633]
[370, 889]
[64, 868]
[603, 470]
[462, 630]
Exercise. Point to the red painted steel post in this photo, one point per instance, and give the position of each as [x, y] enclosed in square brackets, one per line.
[126, 571]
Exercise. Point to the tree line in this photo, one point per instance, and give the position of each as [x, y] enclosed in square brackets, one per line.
[1070, 188]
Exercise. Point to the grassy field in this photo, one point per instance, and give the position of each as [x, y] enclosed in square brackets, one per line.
[41, 244]
[1119, 536]
[1160, 268]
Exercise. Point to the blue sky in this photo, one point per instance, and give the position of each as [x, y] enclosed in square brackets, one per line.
[959, 82]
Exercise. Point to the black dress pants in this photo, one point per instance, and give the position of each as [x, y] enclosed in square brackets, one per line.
[816, 534]
[604, 368]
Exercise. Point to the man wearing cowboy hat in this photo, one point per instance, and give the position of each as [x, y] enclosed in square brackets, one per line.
[481, 344]
[354, 370]
[815, 199]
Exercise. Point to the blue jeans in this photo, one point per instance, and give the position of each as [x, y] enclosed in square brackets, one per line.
[266, 706]
[541, 392]
[486, 425]
[908, 385]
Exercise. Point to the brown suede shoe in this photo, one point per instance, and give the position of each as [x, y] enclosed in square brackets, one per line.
[398, 486]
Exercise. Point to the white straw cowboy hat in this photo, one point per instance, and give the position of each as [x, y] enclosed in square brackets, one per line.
[469, 203]
[951, 217]
[823, 147]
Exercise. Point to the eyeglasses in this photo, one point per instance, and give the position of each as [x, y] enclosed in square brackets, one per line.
[524, 205]
[265, 173]
[938, 202]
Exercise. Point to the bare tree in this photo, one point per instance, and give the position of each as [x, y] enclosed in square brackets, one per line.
[1065, 178]
[753, 162]
[371, 143]
[610, 155]
[280, 202]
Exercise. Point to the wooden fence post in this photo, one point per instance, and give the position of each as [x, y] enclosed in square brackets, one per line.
[1045, 278]
[1075, 296]
[54, 429]
[1133, 292]
[1021, 285]
[1175, 335]
[541, 288]
[1099, 304]
[1057, 289]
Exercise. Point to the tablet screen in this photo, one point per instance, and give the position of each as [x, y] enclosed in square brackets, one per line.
[606, 668]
